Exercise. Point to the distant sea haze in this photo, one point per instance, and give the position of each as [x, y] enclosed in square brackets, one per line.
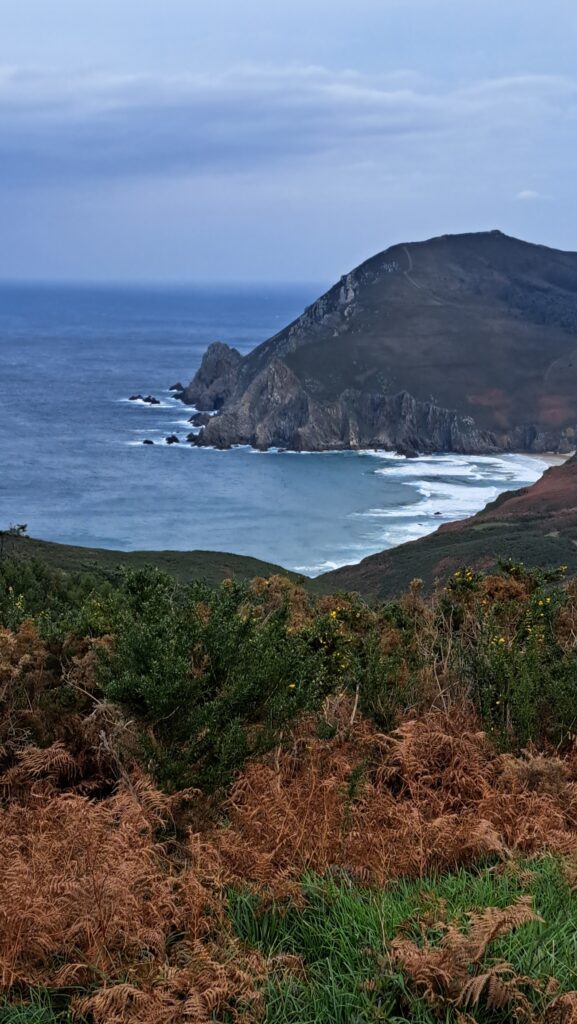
[73, 466]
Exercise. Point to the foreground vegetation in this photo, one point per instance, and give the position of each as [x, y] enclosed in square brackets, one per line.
[373, 954]
[244, 803]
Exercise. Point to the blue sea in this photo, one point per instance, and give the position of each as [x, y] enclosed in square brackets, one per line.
[73, 466]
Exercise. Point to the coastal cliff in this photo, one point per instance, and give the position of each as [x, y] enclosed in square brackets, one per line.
[464, 343]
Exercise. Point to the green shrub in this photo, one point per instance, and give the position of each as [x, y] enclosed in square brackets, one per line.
[213, 676]
[213, 682]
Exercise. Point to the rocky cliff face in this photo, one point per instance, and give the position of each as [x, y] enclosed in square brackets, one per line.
[465, 343]
[276, 411]
[214, 382]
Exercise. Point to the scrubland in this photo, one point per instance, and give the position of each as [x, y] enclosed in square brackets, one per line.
[244, 804]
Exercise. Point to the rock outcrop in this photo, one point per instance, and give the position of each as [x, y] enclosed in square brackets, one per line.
[214, 382]
[200, 419]
[465, 343]
[149, 400]
[276, 411]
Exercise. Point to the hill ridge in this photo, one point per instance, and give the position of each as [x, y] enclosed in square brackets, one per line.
[463, 343]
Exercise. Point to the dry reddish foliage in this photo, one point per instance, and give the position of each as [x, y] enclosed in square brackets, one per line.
[451, 971]
[432, 796]
[88, 896]
[563, 1010]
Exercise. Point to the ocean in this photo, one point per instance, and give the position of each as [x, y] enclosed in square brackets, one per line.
[74, 469]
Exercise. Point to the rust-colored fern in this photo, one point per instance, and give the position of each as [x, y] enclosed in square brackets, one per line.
[452, 971]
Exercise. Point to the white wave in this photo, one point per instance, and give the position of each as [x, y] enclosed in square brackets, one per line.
[185, 424]
[316, 570]
[446, 488]
[139, 403]
[406, 532]
[440, 502]
[379, 453]
[479, 467]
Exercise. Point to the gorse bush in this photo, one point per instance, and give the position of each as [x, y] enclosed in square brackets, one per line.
[56, 599]
[214, 676]
[520, 667]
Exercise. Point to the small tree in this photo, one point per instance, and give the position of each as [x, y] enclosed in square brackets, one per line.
[14, 530]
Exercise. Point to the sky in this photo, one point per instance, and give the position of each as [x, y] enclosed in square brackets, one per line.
[277, 140]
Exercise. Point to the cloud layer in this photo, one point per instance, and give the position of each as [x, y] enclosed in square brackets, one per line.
[271, 171]
[56, 127]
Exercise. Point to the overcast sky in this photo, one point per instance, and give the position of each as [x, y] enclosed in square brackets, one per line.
[278, 140]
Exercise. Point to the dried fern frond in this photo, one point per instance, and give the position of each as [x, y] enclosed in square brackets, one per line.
[452, 971]
[562, 1010]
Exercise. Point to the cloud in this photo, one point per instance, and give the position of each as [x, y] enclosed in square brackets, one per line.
[58, 128]
[529, 195]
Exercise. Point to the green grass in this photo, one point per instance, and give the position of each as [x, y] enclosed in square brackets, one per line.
[38, 1010]
[343, 928]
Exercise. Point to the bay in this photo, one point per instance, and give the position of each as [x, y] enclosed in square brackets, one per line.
[73, 466]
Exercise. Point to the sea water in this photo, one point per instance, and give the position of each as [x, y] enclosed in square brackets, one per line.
[73, 466]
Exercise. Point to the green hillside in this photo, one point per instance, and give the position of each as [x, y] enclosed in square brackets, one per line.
[185, 566]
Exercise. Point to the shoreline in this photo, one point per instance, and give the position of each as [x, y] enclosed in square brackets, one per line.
[550, 458]
[385, 527]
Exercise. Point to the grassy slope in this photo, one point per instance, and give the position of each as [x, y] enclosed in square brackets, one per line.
[474, 307]
[389, 573]
[211, 566]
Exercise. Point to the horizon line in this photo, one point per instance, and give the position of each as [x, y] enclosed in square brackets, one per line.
[41, 282]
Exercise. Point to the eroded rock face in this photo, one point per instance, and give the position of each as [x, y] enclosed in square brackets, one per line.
[276, 411]
[464, 343]
[214, 382]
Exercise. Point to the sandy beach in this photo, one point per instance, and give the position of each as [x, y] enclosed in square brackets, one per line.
[551, 458]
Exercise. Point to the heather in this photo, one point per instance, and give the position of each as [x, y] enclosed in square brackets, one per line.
[245, 804]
